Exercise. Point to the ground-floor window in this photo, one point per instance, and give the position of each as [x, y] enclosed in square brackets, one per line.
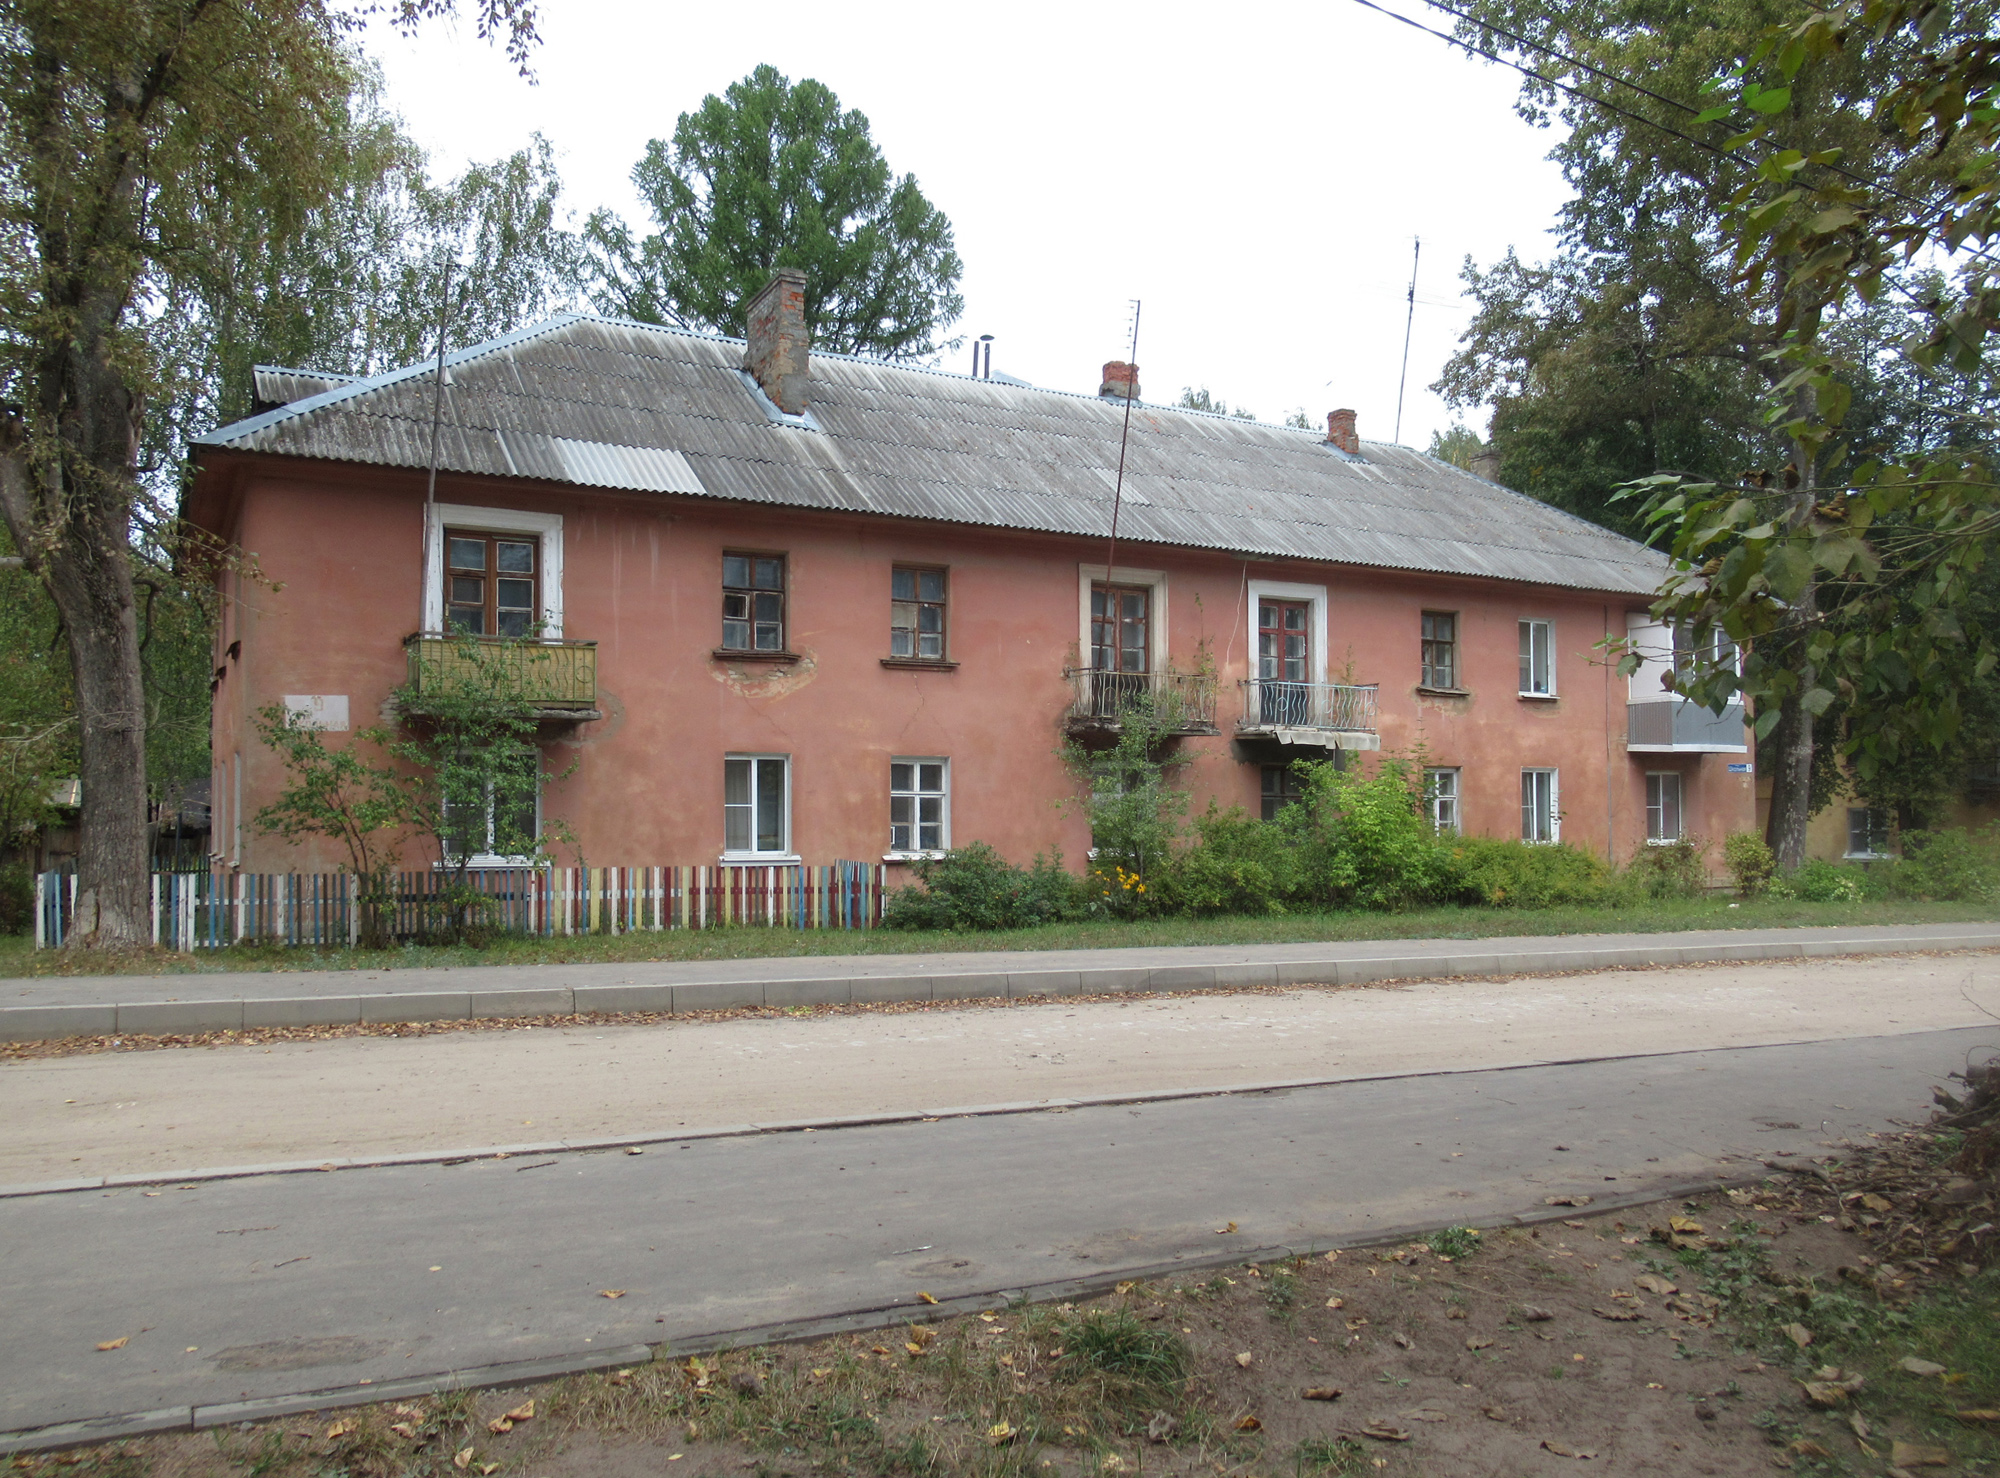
[492, 808]
[756, 804]
[919, 805]
[1281, 788]
[1867, 832]
[1541, 821]
[1441, 799]
[1663, 806]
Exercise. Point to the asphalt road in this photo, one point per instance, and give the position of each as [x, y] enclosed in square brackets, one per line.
[267, 1285]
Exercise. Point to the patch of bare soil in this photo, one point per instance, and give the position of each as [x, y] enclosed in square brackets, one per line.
[1582, 1346]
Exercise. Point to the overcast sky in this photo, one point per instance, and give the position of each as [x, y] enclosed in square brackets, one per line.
[1256, 177]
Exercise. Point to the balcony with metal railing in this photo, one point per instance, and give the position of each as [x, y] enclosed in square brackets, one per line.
[1101, 701]
[1321, 715]
[557, 678]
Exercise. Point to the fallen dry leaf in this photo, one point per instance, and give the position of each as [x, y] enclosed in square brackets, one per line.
[1686, 1225]
[1000, 1433]
[1920, 1367]
[1249, 1424]
[1654, 1283]
[913, 1347]
[1826, 1395]
[1876, 1202]
[525, 1412]
[1336, 1303]
[925, 1298]
[1533, 1315]
[1477, 1342]
[339, 1429]
[1403, 1340]
[1225, 1231]
[1859, 1424]
[1561, 1451]
[1425, 1414]
[922, 1334]
[404, 1430]
[1798, 1334]
[610, 1293]
[485, 1468]
[1320, 1393]
[115, 1344]
[1455, 1312]
[1243, 1359]
[1494, 1413]
[462, 1459]
[1982, 1414]
[1620, 1315]
[1915, 1455]
[1565, 1200]
[1384, 1432]
[1806, 1447]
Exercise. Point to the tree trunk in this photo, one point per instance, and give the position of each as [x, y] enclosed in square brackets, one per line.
[1791, 781]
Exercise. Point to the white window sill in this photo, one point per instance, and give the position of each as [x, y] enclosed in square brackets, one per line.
[1540, 697]
[1662, 841]
[930, 856]
[1867, 856]
[759, 859]
[487, 860]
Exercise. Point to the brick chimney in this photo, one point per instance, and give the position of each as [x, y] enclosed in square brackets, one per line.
[1486, 464]
[1121, 381]
[1340, 432]
[776, 348]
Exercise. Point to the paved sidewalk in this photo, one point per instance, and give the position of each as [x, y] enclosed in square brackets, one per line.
[59, 1006]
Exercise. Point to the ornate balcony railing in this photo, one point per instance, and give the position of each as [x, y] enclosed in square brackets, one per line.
[1297, 711]
[1184, 701]
[552, 675]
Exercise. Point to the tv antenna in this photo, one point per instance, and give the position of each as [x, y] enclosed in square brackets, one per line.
[1124, 435]
[1408, 324]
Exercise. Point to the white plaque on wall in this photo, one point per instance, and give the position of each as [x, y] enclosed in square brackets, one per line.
[317, 711]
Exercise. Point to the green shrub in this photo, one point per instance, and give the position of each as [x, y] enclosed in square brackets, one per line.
[1364, 840]
[1822, 882]
[1237, 865]
[974, 887]
[17, 899]
[1750, 863]
[1675, 869]
[1948, 864]
[1504, 873]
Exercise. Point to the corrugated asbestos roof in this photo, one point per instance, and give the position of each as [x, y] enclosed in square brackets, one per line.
[604, 403]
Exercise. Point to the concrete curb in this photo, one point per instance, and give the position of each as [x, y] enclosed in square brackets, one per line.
[103, 1429]
[844, 1121]
[155, 1017]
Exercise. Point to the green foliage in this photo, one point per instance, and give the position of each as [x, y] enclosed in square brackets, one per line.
[974, 887]
[1676, 869]
[774, 174]
[1819, 881]
[1137, 816]
[1457, 1243]
[1750, 863]
[1949, 865]
[1505, 873]
[1200, 400]
[1237, 865]
[1458, 444]
[17, 898]
[1364, 839]
[1117, 1342]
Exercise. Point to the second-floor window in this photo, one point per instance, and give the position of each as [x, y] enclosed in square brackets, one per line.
[1538, 662]
[916, 614]
[1283, 643]
[1440, 637]
[492, 584]
[1119, 628]
[753, 602]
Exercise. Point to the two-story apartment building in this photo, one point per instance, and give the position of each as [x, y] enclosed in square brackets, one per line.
[797, 605]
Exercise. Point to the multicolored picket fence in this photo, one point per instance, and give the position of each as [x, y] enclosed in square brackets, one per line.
[207, 910]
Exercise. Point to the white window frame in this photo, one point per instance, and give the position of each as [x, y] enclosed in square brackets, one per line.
[1155, 582]
[491, 859]
[1438, 801]
[1313, 595]
[549, 528]
[906, 854]
[1849, 853]
[785, 852]
[1554, 804]
[1656, 810]
[1530, 628]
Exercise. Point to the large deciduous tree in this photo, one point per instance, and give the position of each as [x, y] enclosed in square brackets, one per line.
[132, 132]
[775, 174]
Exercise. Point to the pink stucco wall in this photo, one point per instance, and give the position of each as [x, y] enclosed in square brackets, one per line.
[342, 548]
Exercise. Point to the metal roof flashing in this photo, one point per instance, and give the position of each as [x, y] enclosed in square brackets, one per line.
[803, 421]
